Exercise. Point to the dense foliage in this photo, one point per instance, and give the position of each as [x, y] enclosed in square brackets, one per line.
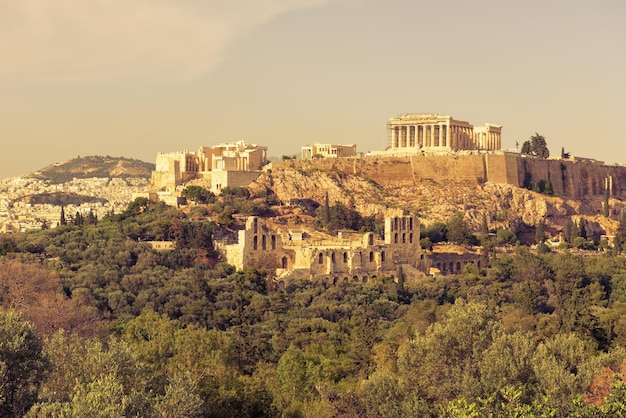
[124, 330]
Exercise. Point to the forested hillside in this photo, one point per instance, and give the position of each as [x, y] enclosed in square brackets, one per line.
[95, 323]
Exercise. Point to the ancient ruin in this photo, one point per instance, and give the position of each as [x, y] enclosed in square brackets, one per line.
[225, 165]
[350, 256]
[327, 151]
[433, 133]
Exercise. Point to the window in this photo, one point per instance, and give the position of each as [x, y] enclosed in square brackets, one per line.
[320, 258]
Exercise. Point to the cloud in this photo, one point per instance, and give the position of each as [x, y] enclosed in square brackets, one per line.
[94, 40]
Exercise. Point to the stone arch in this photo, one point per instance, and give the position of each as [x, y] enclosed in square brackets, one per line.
[370, 239]
[284, 262]
[273, 242]
[332, 256]
[371, 256]
[345, 257]
[403, 238]
[355, 278]
[411, 238]
[255, 243]
[373, 277]
[451, 267]
[345, 279]
[281, 285]
[439, 266]
[335, 280]
[264, 242]
[320, 258]
[458, 266]
[364, 279]
[382, 256]
[395, 238]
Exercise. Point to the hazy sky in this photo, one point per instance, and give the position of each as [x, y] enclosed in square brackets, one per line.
[134, 77]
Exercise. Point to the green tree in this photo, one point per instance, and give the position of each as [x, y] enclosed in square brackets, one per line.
[458, 229]
[198, 194]
[22, 365]
[540, 235]
[620, 234]
[538, 146]
[582, 229]
[436, 232]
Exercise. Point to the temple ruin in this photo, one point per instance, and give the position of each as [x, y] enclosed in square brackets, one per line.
[436, 133]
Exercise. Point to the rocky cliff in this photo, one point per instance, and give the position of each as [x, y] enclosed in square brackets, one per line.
[434, 188]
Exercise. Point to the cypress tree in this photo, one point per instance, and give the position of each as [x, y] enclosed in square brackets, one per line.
[540, 235]
[582, 230]
[326, 213]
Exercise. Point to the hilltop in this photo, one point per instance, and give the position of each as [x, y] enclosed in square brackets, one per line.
[94, 166]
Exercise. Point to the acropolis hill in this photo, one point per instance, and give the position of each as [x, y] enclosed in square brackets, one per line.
[433, 165]
[570, 178]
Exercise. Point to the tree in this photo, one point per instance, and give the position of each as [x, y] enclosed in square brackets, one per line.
[526, 148]
[63, 221]
[582, 230]
[22, 365]
[538, 146]
[540, 235]
[620, 234]
[198, 194]
[458, 230]
[326, 213]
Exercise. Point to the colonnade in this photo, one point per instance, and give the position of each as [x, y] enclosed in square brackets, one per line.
[431, 135]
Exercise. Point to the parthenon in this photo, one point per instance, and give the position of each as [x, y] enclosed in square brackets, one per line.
[432, 132]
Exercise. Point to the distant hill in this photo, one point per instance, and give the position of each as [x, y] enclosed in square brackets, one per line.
[94, 166]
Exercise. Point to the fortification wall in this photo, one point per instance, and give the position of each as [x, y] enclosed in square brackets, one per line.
[572, 179]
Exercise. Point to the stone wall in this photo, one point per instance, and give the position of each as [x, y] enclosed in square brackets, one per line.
[568, 178]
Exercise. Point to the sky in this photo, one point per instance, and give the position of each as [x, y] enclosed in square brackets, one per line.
[133, 78]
